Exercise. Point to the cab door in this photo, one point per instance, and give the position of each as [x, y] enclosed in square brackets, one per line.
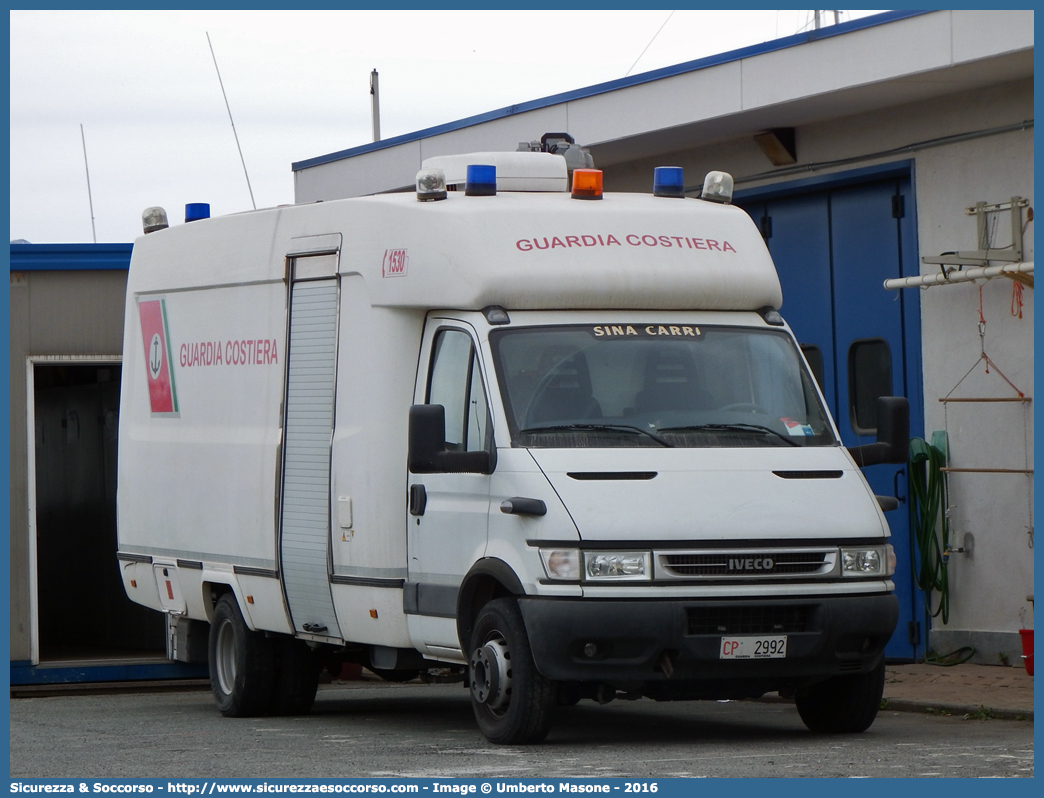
[448, 512]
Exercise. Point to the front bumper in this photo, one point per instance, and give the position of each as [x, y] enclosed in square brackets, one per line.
[672, 641]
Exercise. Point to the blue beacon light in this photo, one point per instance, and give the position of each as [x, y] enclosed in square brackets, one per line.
[668, 181]
[194, 211]
[482, 180]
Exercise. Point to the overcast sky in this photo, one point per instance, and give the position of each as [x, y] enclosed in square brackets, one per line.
[144, 87]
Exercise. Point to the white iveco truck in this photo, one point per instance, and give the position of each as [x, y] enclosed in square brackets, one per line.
[560, 441]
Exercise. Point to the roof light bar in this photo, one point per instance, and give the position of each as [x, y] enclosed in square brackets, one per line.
[717, 187]
[587, 184]
[482, 180]
[668, 181]
[431, 185]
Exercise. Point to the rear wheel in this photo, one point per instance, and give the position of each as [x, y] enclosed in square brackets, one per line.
[842, 704]
[242, 663]
[512, 701]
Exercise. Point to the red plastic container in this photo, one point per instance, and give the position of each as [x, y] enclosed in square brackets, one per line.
[1027, 649]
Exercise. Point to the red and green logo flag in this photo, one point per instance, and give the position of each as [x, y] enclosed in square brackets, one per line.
[163, 395]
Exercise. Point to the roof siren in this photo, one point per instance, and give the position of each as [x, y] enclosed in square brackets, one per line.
[576, 157]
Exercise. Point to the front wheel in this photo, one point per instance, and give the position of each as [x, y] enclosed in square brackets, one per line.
[242, 663]
[512, 701]
[842, 704]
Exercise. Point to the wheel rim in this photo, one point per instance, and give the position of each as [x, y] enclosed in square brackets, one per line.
[491, 675]
[226, 657]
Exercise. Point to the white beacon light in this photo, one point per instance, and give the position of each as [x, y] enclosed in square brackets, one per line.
[431, 185]
[717, 187]
[153, 219]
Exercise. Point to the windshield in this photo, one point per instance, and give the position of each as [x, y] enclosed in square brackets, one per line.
[656, 385]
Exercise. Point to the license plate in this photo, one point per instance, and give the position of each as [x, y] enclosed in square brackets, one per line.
[761, 647]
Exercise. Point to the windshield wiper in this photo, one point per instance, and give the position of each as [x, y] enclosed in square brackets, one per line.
[732, 428]
[598, 428]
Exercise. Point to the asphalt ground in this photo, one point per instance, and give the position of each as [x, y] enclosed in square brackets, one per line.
[966, 689]
[364, 729]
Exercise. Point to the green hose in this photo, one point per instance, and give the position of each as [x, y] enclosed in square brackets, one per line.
[928, 514]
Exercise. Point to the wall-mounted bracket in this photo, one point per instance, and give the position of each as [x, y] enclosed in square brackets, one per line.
[1013, 253]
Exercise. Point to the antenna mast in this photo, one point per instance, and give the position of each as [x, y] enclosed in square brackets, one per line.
[230, 119]
[94, 233]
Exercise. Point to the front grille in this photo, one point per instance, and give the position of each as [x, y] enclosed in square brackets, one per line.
[747, 563]
[753, 619]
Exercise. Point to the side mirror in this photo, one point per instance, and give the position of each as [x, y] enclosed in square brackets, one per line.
[427, 446]
[893, 434]
[427, 438]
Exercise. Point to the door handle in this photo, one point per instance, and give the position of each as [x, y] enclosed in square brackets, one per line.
[520, 505]
[418, 499]
[895, 485]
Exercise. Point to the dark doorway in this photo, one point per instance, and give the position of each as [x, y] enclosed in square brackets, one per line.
[83, 612]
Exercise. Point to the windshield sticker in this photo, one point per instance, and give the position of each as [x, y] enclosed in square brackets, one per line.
[797, 429]
[647, 330]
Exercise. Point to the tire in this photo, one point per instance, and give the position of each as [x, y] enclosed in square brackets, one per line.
[512, 701]
[842, 704]
[242, 663]
[297, 677]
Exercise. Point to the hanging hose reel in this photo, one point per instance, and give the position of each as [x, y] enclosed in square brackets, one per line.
[929, 522]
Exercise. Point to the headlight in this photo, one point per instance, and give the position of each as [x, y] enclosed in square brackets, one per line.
[868, 561]
[617, 565]
[561, 563]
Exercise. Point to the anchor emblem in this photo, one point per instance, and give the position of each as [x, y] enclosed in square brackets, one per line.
[155, 356]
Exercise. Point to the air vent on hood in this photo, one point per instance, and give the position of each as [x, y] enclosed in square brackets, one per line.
[611, 475]
[809, 474]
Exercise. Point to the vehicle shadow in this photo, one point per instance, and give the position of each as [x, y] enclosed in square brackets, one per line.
[644, 722]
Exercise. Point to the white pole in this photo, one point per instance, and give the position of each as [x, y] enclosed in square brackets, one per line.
[375, 106]
[964, 276]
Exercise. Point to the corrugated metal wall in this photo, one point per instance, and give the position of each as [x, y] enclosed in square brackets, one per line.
[53, 313]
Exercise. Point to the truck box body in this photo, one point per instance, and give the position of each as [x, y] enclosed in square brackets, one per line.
[272, 360]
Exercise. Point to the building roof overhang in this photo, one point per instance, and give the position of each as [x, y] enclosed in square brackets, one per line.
[882, 61]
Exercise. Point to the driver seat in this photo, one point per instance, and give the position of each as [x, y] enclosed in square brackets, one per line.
[565, 393]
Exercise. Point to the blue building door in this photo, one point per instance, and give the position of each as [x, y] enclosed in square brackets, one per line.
[834, 245]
